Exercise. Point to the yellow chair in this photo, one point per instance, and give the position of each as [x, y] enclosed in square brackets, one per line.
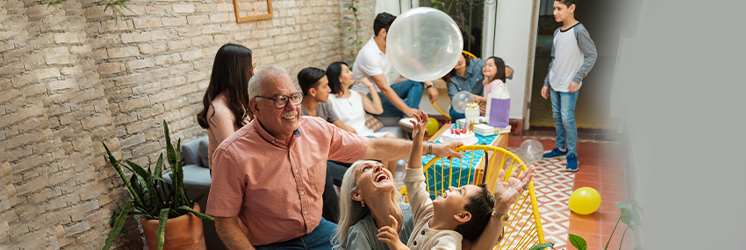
[443, 99]
[523, 230]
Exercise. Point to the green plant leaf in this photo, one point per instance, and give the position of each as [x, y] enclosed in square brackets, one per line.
[198, 214]
[578, 242]
[118, 223]
[161, 231]
[159, 167]
[542, 246]
[118, 167]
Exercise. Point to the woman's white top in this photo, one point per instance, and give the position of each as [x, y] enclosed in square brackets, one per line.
[351, 112]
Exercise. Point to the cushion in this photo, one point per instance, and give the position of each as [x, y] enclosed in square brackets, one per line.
[373, 123]
[203, 146]
[190, 152]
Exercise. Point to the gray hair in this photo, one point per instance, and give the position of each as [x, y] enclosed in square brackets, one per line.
[256, 84]
[350, 211]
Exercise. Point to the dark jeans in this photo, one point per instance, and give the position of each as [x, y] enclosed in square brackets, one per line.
[335, 171]
[409, 91]
[319, 238]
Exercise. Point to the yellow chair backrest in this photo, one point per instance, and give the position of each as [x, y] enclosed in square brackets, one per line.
[523, 230]
[443, 100]
[469, 54]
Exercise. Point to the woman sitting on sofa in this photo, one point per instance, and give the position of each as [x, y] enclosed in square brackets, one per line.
[226, 101]
[351, 105]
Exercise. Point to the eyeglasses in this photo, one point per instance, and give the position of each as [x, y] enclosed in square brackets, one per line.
[281, 101]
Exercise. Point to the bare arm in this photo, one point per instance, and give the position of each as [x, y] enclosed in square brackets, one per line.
[419, 125]
[344, 127]
[388, 149]
[380, 80]
[231, 234]
[371, 105]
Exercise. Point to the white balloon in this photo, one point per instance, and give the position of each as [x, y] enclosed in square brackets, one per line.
[530, 151]
[423, 44]
[460, 99]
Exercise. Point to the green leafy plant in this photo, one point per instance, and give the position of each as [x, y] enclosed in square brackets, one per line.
[117, 7]
[631, 216]
[152, 197]
[355, 36]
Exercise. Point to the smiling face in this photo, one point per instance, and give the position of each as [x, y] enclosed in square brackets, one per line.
[373, 179]
[346, 77]
[454, 199]
[562, 11]
[489, 70]
[280, 123]
[322, 91]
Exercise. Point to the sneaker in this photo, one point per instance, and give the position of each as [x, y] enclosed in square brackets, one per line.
[572, 163]
[554, 153]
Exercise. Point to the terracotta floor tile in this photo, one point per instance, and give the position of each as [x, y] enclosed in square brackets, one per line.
[608, 193]
[586, 226]
[614, 244]
[613, 179]
[589, 169]
[591, 239]
[587, 176]
[589, 162]
[612, 171]
[608, 206]
[606, 229]
[594, 184]
[586, 217]
[614, 188]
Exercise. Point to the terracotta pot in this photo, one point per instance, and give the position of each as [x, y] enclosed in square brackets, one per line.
[183, 232]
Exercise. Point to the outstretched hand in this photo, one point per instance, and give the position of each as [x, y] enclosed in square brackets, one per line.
[419, 124]
[390, 236]
[506, 193]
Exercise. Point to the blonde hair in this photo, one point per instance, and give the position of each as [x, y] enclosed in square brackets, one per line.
[350, 211]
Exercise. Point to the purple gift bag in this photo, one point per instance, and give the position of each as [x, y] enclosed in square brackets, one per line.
[499, 112]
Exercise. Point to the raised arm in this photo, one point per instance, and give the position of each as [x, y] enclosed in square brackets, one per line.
[371, 105]
[389, 149]
[506, 194]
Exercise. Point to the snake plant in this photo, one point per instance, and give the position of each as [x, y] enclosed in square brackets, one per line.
[152, 197]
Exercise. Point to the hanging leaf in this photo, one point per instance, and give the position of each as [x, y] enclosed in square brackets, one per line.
[542, 246]
[578, 242]
[118, 223]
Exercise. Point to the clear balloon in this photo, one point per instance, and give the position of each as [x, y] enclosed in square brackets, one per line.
[530, 151]
[460, 99]
[423, 44]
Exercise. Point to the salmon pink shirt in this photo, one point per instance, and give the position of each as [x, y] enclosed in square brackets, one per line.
[275, 188]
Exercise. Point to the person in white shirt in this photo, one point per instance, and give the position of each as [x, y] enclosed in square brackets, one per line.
[399, 96]
[350, 105]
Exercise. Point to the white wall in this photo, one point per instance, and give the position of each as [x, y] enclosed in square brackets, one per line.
[512, 32]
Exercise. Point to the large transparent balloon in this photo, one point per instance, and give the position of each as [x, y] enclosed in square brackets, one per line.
[530, 151]
[460, 99]
[423, 44]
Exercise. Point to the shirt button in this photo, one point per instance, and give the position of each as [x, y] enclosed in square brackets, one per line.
[301, 192]
[415, 242]
[306, 212]
[423, 232]
[296, 171]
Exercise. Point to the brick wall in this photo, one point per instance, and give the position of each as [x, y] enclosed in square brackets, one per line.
[72, 77]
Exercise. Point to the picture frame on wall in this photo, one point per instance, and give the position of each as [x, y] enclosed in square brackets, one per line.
[251, 10]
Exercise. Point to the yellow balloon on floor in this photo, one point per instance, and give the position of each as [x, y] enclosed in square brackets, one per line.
[585, 200]
[432, 126]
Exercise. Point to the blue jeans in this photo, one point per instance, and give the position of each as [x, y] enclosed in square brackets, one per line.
[563, 111]
[455, 115]
[409, 91]
[319, 238]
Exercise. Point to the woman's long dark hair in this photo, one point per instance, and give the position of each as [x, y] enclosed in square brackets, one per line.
[332, 74]
[447, 77]
[231, 72]
[500, 65]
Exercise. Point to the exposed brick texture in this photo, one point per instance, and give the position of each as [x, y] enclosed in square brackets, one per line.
[72, 77]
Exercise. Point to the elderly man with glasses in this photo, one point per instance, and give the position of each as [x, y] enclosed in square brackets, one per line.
[268, 177]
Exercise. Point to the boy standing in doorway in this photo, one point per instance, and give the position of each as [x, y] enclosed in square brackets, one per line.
[573, 56]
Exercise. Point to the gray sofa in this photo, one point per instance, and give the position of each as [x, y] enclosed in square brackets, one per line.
[197, 181]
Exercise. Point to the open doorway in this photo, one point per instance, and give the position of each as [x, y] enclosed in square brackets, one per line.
[592, 110]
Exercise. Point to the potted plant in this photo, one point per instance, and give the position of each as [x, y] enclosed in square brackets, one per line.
[165, 211]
